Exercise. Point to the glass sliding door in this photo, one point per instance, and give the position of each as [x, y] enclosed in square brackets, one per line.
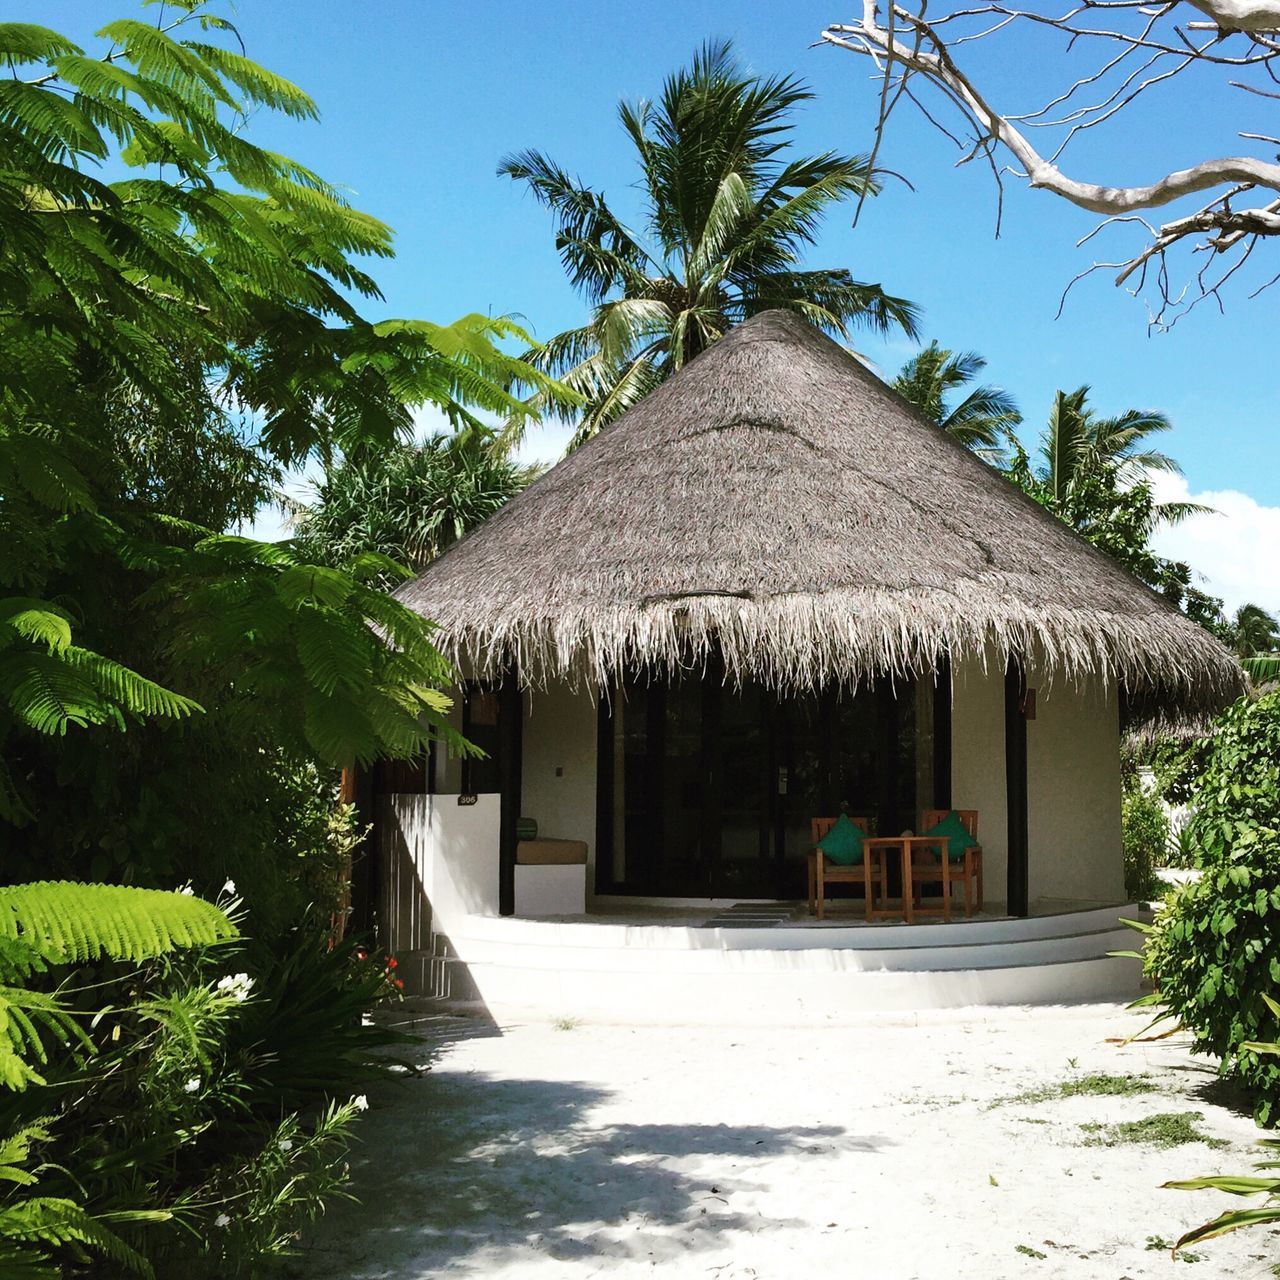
[714, 786]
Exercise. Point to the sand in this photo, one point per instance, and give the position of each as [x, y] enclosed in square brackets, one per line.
[886, 1151]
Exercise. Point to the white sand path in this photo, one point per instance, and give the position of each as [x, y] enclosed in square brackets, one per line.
[538, 1153]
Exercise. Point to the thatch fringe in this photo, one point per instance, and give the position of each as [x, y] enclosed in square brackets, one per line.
[777, 506]
[799, 643]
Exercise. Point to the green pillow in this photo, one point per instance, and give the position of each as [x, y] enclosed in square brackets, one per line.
[960, 838]
[843, 843]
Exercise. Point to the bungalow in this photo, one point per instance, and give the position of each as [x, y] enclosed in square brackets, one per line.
[772, 592]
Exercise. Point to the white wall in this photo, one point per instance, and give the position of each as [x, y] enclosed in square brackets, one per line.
[558, 786]
[1073, 783]
[440, 863]
[977, 763]
[1073, 793]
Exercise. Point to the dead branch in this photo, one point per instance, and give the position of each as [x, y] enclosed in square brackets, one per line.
[909, 44]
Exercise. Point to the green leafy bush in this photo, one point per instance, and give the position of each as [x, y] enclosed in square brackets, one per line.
[1238, 788]
[1145, 835]
[1213, 954]
[173, 1097]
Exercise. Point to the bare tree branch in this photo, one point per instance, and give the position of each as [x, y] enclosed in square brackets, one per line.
[1149, 49]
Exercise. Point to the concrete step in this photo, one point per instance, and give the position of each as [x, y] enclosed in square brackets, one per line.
[691, 976]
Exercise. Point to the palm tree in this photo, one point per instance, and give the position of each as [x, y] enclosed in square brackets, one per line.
[1093, 473]
[408, 502]
[727, 219]
[1077, 442]
[1081, 451]
[981, 421]
[1254, 632]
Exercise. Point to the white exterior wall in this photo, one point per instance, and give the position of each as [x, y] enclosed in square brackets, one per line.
[1073, 783]
[977, 764]
[558, 783]
[1073, 794]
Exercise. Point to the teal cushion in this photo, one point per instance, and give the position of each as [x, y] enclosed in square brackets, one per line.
[960, 839]
[843, 843]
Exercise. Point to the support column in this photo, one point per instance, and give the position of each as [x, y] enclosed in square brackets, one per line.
[1015, 766]
[510, 774]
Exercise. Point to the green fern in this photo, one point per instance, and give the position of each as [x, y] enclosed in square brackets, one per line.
[69, 923]
[61, 922]
[34, 1229]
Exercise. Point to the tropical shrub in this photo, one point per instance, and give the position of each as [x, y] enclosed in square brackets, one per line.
[45, 926]
[1145, 837]
[1238, 788]
[183, 1105]
[1213, 956]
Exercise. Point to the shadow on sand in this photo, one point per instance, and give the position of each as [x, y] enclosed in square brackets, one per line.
[463, 1172]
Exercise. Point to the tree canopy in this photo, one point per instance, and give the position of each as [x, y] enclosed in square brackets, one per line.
[179, 320]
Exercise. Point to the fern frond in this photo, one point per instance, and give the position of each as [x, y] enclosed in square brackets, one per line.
[127, 689]
[25, 42]
[35, 620]
[68, 922]
[44, 1222]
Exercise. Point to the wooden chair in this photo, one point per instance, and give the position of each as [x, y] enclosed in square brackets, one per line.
[822, 871]
[936, 867]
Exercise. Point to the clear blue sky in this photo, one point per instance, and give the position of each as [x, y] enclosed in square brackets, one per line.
[420, 99]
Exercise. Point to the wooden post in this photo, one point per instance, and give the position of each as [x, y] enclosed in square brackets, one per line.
[1015, 765]
[604, 787]
[510, 774]
[942, 735]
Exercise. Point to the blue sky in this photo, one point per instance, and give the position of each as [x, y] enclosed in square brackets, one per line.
[419, 100]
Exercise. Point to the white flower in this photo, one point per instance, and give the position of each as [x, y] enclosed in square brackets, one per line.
[360, 1103]
[222, 1220]
[187, 890]
[286, 1144]
[229, 888]
[237, 986]
[192, 1085]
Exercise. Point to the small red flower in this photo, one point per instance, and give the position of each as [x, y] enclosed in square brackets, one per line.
[400, 983]
[392, 962]
[362, 955]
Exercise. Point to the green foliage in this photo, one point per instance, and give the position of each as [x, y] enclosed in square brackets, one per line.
[729, 218]
[1097, 1084]
[1238, 789]
[65, 923]
[1145, 839]
[982, 420]
[58, 923]
[1177, 764]
[218, 1100]
[1166, 1129]
[135, 312]
[305, 1032]
[1092, 474]
[1267, 1186]
[1214, 953]
[289, 1181]
[407, 503]
[51, 924]
[303, 648]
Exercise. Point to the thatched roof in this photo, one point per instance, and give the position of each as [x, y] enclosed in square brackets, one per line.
[776, 500]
